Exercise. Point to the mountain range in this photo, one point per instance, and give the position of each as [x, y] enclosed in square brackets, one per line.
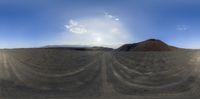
[147, 45]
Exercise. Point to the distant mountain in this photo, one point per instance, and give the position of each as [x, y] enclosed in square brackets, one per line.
[78, 47]
[102, 48]
[127, 47]
[66, 46]
[148, 45]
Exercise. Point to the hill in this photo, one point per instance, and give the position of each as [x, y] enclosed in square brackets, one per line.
[148, 45]
[78, 47]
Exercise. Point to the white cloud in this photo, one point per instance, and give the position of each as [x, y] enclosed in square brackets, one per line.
[182, 27]
[75, 27]
[107, 15]
[99, 31]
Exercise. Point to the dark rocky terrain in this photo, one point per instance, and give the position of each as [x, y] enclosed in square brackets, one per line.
[150, 70]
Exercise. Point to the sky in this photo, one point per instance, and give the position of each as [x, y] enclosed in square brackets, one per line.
[110, 23]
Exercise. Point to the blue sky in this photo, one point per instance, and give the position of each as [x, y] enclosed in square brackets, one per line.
[33, 23]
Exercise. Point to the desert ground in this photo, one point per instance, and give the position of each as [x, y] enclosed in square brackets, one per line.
[68, 74]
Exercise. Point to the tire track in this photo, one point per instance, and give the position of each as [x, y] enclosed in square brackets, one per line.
[6, 68]
[107, 89]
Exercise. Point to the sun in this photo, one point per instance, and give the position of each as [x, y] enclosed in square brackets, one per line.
[98, 39]
[98, 30]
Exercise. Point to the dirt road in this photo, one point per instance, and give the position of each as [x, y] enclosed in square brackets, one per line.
[106, 90]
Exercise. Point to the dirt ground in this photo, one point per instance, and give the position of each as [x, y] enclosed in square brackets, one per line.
[100, 88]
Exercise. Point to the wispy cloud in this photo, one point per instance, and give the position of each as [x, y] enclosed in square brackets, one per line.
[107, 15]
[75, 27]
[182, 27]
[105, 29]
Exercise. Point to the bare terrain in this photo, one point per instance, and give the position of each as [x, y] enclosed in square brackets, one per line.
[68, 74]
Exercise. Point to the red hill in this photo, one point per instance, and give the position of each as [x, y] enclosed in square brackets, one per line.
[148, 45]
[152, 45]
